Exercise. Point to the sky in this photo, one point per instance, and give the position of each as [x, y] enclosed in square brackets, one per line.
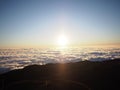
[35, 23]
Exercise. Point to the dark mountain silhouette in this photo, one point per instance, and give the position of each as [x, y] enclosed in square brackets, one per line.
[83, 75]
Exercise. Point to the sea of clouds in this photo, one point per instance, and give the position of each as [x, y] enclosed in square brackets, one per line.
[18, 58]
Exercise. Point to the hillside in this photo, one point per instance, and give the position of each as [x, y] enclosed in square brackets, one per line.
[84, 75]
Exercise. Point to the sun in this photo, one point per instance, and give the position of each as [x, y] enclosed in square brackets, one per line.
[62, 40]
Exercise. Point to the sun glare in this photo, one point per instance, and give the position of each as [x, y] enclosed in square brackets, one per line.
[62, 40]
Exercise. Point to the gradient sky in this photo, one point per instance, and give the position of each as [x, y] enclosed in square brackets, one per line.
[40, 22]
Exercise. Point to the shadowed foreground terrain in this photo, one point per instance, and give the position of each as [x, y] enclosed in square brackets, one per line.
[84, 75]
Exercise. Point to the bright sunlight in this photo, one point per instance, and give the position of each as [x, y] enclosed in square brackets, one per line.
[62, 40]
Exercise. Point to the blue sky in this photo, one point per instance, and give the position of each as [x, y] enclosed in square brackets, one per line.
[40, 22]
